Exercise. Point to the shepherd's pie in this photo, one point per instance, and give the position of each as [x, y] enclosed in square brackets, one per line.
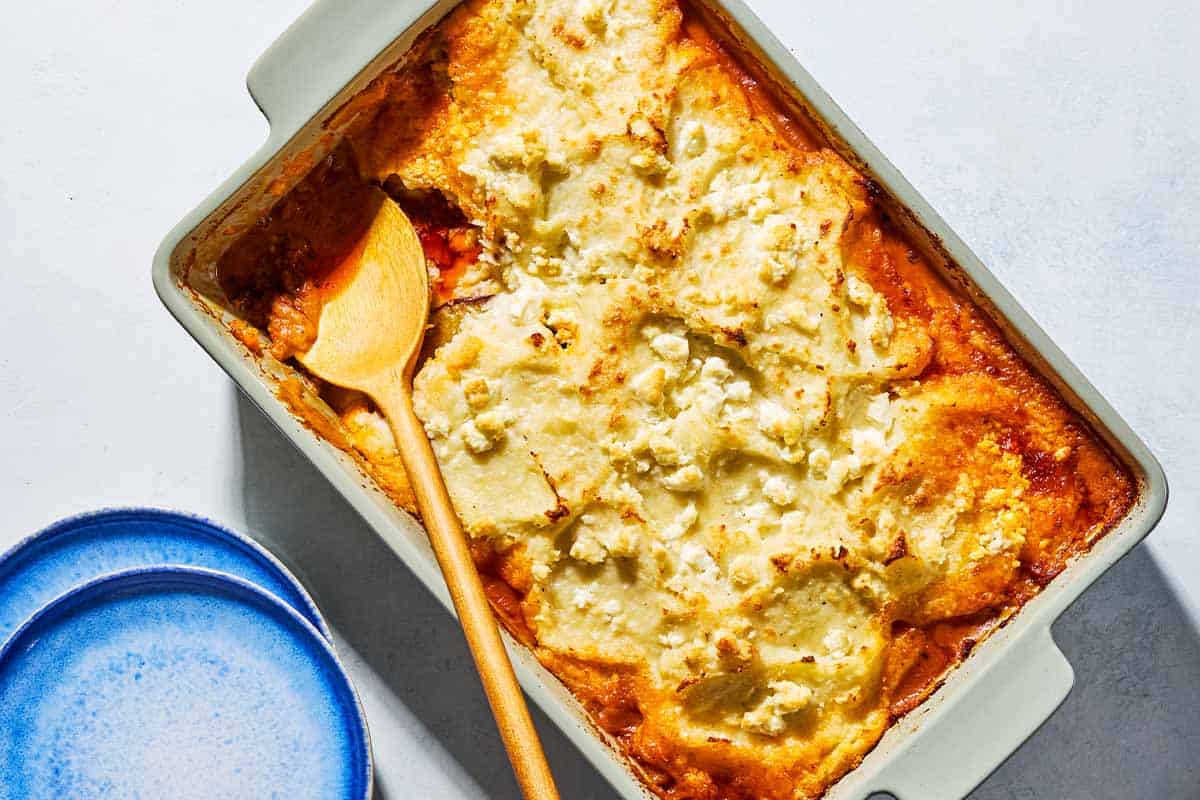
[739, 466]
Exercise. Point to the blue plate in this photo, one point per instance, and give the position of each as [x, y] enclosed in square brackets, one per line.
[77, 549]
[176, 683]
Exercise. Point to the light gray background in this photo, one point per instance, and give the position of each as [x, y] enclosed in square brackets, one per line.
[1061, 140]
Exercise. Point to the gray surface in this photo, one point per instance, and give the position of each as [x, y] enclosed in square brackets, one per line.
[1061, 140]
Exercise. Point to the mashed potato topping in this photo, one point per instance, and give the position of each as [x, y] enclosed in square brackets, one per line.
[729, 441]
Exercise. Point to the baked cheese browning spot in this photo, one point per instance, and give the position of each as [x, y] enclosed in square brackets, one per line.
[741, 468]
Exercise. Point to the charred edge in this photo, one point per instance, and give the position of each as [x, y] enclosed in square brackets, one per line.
[560, 509]
[899, 550]
[476, 300]
[735, 335]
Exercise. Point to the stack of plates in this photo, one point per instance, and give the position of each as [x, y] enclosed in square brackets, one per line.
[151, 654]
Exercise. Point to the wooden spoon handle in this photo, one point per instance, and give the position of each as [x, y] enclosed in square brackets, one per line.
[474, 613]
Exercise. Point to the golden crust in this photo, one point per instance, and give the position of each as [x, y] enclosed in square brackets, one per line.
[743, 470]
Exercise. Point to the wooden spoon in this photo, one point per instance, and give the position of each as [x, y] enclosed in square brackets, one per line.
[368, 338]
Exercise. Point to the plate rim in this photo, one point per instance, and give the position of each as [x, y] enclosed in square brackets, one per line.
[77, 521]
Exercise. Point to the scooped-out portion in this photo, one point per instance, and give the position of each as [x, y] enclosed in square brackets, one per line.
[744, 472]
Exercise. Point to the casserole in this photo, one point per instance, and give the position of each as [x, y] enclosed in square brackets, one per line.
[246, 206]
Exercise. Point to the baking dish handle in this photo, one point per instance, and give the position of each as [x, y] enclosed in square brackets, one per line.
[320, 53]
[961, 743]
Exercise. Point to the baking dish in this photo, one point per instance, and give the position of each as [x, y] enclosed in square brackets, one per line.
[183, 284]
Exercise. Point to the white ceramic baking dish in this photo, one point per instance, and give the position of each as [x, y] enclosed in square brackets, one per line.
[1006, 688]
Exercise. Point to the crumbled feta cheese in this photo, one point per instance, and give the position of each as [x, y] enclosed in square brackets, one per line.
[868, 444]
[527, 301]
[819, 461]
[708, 395]
[519, 190]
[786, 697]
[475, 440]
[622, 541]
[565, 323]
[476, 393]
[843, 469]
[625, 494]
[650, 163]
[775, 270]
[492, 423]
[836, 643]
[684, 479]
[483, 432]
[437, 426]
[773, 419]
[693, 138]
[682, 523]
[588, 549]
[695, 557]
[759, 208]
[858, 291]
[716, 369]
[738, 391]
[583, 597]
[670, 346]
[666, 451]
[743, 570]
[648, 384]
[779, 490]
[640, 127]
[757, 516]
[807, 321]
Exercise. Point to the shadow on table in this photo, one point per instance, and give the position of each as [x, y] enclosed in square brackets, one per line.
[1130, 728]
[391, 621]
[1131, 725]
